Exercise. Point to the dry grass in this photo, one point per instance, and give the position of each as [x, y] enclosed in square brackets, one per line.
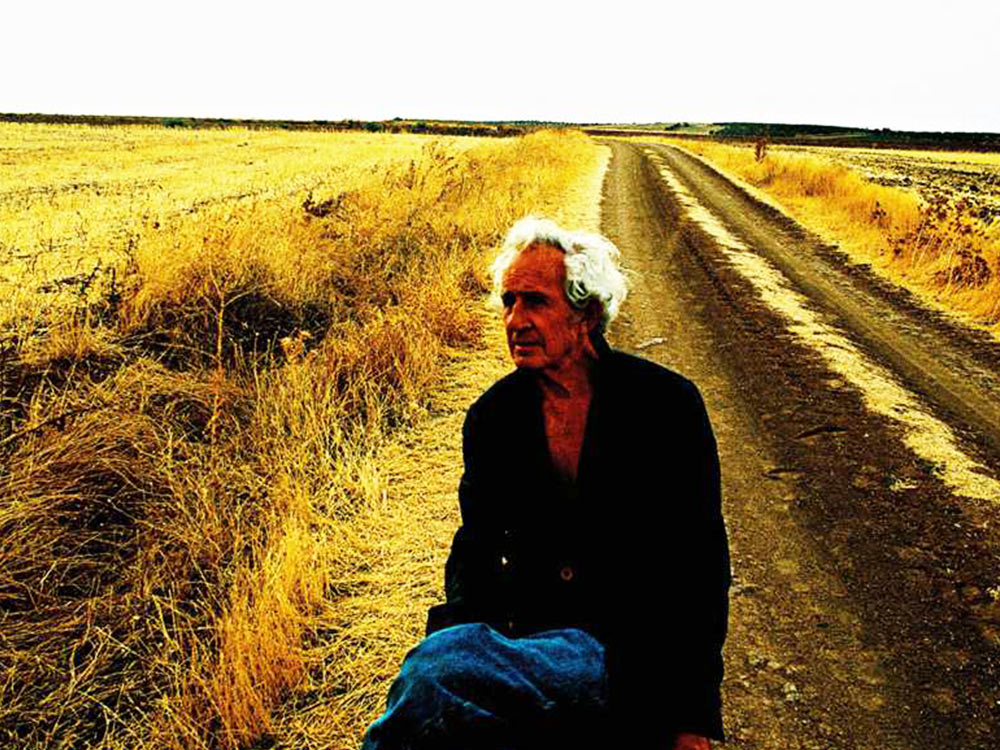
[399, 545]
[76, 198]
[944, 250]
[190, 481]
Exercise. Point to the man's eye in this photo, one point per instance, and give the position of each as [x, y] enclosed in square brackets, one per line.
[507, 299]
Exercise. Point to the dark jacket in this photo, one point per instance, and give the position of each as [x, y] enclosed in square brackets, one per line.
[635, 552]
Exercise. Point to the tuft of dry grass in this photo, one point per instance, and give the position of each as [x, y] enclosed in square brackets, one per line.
[188, 448]
[943, 249]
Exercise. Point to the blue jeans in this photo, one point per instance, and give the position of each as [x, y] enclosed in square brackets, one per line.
[468, 687]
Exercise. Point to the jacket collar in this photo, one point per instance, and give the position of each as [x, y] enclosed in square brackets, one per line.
[601, 345]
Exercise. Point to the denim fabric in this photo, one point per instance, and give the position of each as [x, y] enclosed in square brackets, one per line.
[468, 687]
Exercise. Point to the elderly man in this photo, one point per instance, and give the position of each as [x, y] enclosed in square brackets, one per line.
[587, 586]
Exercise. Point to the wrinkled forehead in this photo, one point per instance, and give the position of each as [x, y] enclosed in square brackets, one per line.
[536, 266]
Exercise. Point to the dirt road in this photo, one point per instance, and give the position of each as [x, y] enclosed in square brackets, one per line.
[860, 439]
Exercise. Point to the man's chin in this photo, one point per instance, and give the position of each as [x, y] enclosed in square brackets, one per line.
[527, 361]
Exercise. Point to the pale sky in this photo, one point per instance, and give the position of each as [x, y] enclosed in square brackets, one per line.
[907, 66]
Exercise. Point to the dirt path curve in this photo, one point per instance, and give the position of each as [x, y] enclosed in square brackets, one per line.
[865, 538]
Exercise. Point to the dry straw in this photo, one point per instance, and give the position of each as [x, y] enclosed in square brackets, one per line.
[187, 488]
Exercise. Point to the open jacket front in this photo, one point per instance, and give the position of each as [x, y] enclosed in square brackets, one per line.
[635, 552]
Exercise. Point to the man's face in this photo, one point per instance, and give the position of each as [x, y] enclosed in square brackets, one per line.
[544, 332]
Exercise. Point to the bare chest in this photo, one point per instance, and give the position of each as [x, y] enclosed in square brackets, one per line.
[565, 426]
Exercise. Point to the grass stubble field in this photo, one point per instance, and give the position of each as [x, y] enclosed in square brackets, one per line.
[233, 368]
[210, 340]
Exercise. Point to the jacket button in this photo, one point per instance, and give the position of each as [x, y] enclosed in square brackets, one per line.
[566, 573]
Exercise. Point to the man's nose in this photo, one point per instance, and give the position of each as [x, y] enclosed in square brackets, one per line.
[517, 318]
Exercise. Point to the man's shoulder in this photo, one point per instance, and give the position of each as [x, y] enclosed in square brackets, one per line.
[634, 375]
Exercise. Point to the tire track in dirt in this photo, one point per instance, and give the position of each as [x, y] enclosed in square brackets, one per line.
[862, 614]
[930, 438]
[954, 367]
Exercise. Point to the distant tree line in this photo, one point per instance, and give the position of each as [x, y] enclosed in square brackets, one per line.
[833, 135]
[818, 135]
[808, 135]
[396, 125]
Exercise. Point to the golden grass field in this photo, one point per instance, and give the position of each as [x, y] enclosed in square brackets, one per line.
[927, 221]
[75, 198]
[233, 367]
[211, 343]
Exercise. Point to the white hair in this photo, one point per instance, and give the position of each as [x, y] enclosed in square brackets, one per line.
[591, 264]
